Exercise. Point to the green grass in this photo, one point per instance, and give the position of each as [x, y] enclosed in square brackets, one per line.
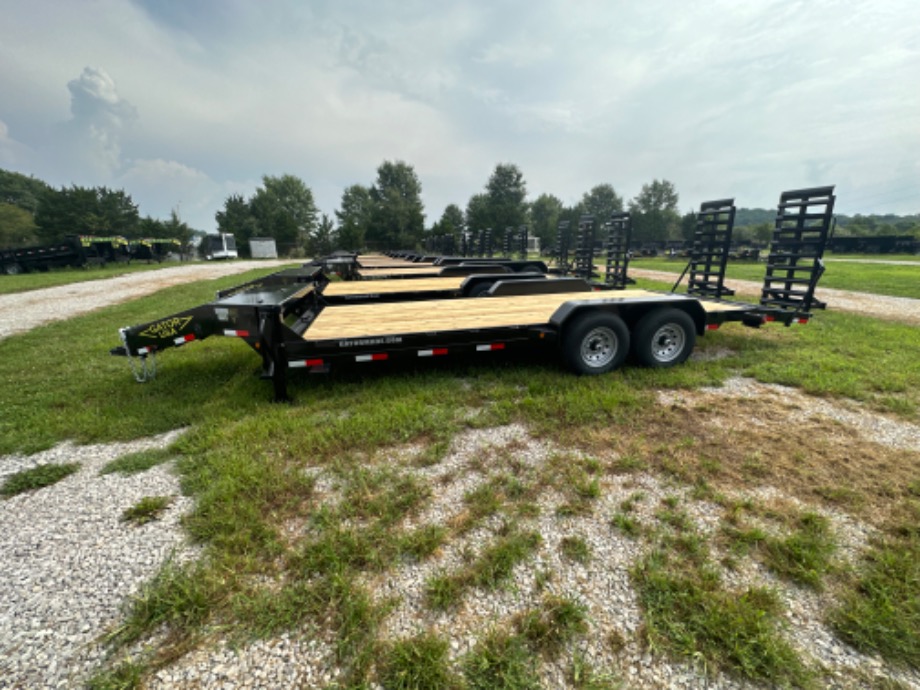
[135, 463]
[285, 552]
[36, 478]
[490, 569]
[689, 614]
[575, 549]
[501, 661]
[417, 663]
[881, 279]
[146, 510]
[554, 623]
[880, 604]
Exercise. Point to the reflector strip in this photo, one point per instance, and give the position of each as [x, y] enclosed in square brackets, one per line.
[712, 326]
[769, 318]
[433, 353]
[181, 340]
[802, 321]
[299, 364]
[377, 357]
[237, 334]
[490, 346]
[143, 350]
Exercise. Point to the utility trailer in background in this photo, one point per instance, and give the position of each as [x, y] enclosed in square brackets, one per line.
[295, 322]
[221, 245]
[73, 251]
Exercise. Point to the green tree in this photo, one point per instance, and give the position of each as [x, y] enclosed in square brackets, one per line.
[236, 219]
[397, 216]
[21, 190]
[601, 202]
[762, 232]
[544, 218]
[17, 227]
[283, 208]
[179, 230]
[506, 192]
[149, 227]
[324, 237]
[82, 210]
[654, 212]
[688, 226]
[477, 213]
[354, 217]
[451, 221]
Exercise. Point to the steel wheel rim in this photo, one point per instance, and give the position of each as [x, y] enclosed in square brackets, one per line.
[668, 342]
[599, 347]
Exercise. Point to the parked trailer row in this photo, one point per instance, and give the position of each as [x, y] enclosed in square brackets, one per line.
[311, 325]
[299, 319]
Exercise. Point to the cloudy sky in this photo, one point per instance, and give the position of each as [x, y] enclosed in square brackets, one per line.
[182, 103]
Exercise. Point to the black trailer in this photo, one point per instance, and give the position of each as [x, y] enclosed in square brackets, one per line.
[296, 321]
[73, 251]
[411, 266]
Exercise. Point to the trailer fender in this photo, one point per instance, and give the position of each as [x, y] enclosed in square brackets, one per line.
[631, 310]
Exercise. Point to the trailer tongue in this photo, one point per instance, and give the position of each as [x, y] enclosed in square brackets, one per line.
[296, 319]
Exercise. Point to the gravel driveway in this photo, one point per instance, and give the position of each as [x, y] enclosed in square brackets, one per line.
[24, 311]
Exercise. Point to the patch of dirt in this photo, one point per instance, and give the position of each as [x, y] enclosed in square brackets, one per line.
[746, 435]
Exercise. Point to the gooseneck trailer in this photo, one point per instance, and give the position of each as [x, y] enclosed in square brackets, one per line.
[298, 319]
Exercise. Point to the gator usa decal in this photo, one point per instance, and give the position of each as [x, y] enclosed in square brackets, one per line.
[167, 328]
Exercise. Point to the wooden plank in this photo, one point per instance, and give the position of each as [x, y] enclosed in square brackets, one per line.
[371, 320]
[379, 287]
[408, 268]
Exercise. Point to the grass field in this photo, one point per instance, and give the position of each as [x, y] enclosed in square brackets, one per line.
[877, 278]
[302, 510]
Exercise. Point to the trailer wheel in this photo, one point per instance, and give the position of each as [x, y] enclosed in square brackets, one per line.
[481, 290]
[595, 343]
[664, 338]
[12, 269]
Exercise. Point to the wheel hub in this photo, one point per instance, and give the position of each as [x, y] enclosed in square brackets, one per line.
[668, 342]
[599, 347]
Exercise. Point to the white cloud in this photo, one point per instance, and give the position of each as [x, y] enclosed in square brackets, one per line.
[721, 98]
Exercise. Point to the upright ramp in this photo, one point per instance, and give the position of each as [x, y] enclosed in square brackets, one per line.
[803, 224]
[712, 240]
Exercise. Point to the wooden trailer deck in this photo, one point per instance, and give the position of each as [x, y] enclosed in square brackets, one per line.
[346, 288]
[373, 320]
[408, 269]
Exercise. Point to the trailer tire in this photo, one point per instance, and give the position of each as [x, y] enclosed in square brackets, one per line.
[481, 290]
[12, 269]
[595, 343]
[664, 338]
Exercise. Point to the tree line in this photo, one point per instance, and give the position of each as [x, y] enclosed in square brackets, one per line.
[388, 213]
[34, 213]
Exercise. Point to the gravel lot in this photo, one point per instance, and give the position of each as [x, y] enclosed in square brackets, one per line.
[68, 563]
[24, 311]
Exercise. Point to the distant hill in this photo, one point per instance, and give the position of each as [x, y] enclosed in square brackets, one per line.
[872, 224]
